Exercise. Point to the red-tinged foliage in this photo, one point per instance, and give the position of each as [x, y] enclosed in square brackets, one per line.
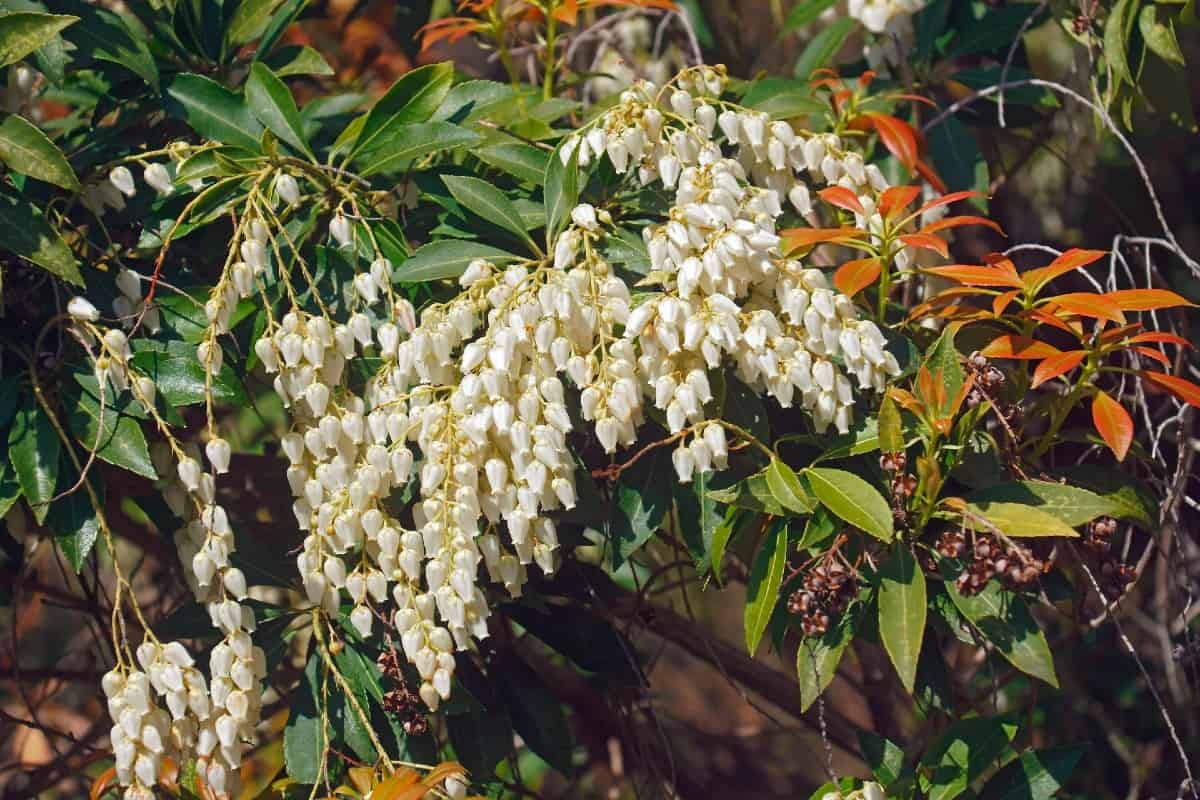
[1147, 299]
[1160, 337]
[568, 12]
[450, 28]
[898, 137]
[930, 175]
[1113, 423]
[1003, 301]
[841, 197]
[1020, 348]
[958, 222]
[945, 200]
[897, 198]
[1057, 365]
[797, 238]
[927, 241]
[1185, 390]
[1069, 261]
[1088, 304]
[1150, 352]
[976, 276]
[854, 276]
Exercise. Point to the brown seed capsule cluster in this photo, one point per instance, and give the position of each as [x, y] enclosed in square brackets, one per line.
[988, 379]
[903, 484]
[400, 701]
[828, 588]
[1099, 536]
[1114, 576]
[987, 557]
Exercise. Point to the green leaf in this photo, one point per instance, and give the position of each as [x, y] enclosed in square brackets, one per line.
[488, 202]
[752, 494]
[782, 98]
[22, 32]
[1117, 29]
[10, 489]
[641, 500]
[271, 101]
[961, 755]
[517, 159]
[284, 16]
[447, 258]
[471, 100]
[822, 48]
[1069, 504]
[785, 487]
[995, 30]
[1160, 37]
[724, 534]
[1015, 520]
[25, 149]
[75, 525]
[119, 440]
[412, 141]
[1129, 498]
[250, 19]
[852, 499]
[33, 449]
[536, 714]
[363, 679]
[103, 35]
[180, 379]
[588, 640]
[1036, 775]
[699, 517]
[25, 232]
[943, 363]
[883, 756]
[805, 12]
[817, 660]
[413, 98]
[762, 590]
[902, 612]
[1004, 620]
[891, 434]
[562, 190]
[297, 60]
[481, 737]
[304, 738]
[213, 111]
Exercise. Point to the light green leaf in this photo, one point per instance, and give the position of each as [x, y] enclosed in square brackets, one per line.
[1160, 37]
[271, 101]
[1015, 520]
[25, 149]
[823, 47]
[413, 98]
[786, 489]
[817, 660]
[517, 159]
[249, 20]
[180, 378]
[724, 534]
[471, 100]
[447, 258]
[762, 590]
[902, 612]
[1116, 37]
[22, 32]
[943, 363]
[1130, 498]
[562, 190]
[24, 231]
[891, 434]
[752, 493]
[1070, 504]
[413, 141]
[297, 60]
[883, 756]
[33, 450]
[213, 111]
[852, 499]
[1005, 621]
[488, 202]
[1036, 775]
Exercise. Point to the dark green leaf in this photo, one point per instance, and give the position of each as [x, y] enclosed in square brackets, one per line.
[883, 756]
[179, 377]
[73, 520]
[396, 152]
[1004, 620]
[956, 156]
[103, 35]
[699, 516]
[591, 642]
[561, 189]
[822, 48]
[902, 612]
[536, 714]
[304, 739]
[762, 590]
[995, 30]
[641, 500]
[22, 32]
[33, 449]
[470, 100]
[25, 232]
[962, 754]
[1036, 775]
[853, 500]
[413, 98]
[488, 202]
[481, 737]
[817, 660]
[116, 436]
[447, 258]
[271, 101]
[213, 111]
[805, 12]
[27, 150]
[517, 159]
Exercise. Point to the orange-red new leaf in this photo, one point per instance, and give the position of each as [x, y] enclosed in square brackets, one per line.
[1003, 301]
[795, 238]
[1150, 352]
[1147, 299]
[854, 276]
[958, 222]
[1160, 337]
[977, 276]
[898, 137]
[842, 197]
[1089, 304]
[1020, 348]
[1113, 423]
[945, 200]
[927, 241]
[1185, 390]
[1069, 261]
[897, 198]
[1057, 365]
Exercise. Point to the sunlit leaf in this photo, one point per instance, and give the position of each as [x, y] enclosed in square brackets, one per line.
[854, 276]
[1113, 423]
[1021, 348]
[1057, 365]
[1185, 390]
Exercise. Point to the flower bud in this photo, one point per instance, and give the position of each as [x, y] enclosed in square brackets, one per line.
[287, 189]
[159, 179]
[122, 179]
[81, 309]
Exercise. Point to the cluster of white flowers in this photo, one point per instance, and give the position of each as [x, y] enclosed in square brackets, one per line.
[892, 21]
[120, 185]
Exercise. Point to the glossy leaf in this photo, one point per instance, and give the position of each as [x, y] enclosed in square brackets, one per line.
[762, 589]
[1070, 504]
[797, 238]
[413, 98]
[641, 500]
[962, 754]
[1004, 620]
[408, 142]
[22, 32]
[517, 159]
[75, 525]
[1069, 261]
[898, 137]
[817, 659]
[891, 434]
[976, 276]
[1185, 390]
[854, 276]
[561, 189]
[853, 500]
[25, 232]
[447, 258]
[895, 199]
[1089, 304]
[786, 489]
[488, 202]
[25, 149]
[1113, 423]
[271, 101]
[902, 612]
[214, 111]
[1020, 348]
[33, 450]
[925, 241]
[1015, 520]
[1036, 775]
[946, 223]
[843, 198]
[1056, 365]
[1147, 299]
